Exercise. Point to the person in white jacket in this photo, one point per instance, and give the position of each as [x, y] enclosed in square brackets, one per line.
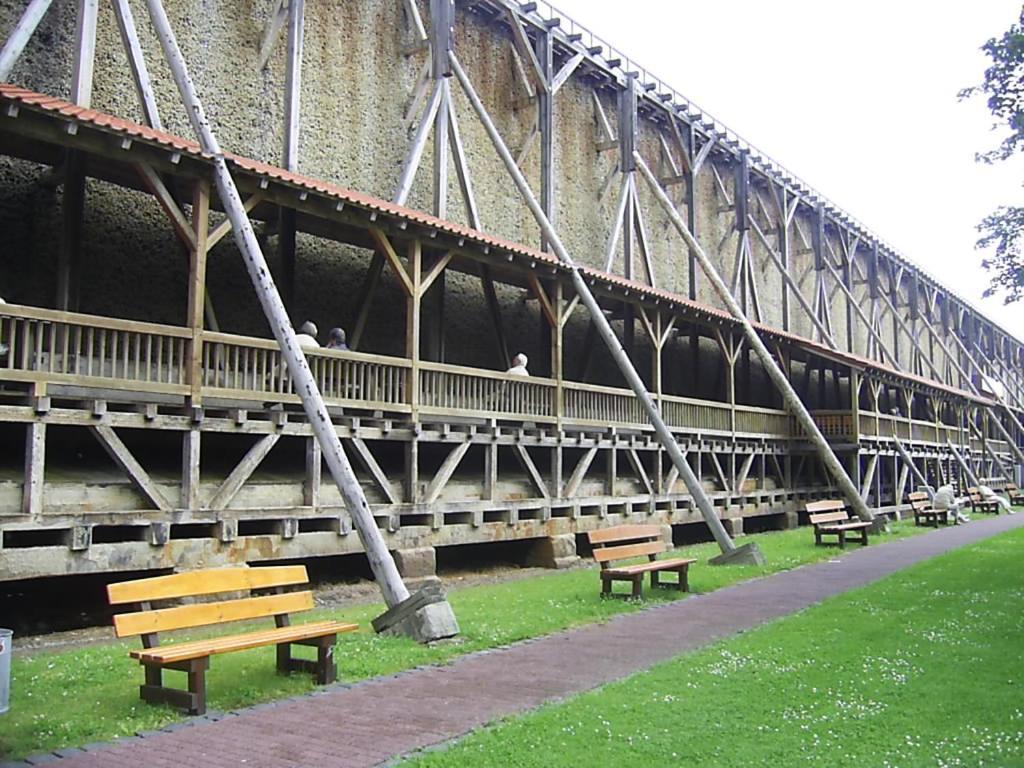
[945, 499]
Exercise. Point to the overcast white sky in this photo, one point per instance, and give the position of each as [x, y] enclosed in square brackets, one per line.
[858, 99]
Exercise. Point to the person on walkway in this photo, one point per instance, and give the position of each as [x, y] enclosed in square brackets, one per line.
[519, 366]
[945, 499]
[336, 340]
[307, 336]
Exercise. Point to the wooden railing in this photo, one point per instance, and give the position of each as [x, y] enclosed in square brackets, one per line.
[40, 345]
[701, 415]
[447, 389]
[75, 349]
[246, 368]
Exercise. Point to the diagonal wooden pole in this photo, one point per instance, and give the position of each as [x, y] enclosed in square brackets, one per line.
[431, 622]
[748, 553]
[789, 395]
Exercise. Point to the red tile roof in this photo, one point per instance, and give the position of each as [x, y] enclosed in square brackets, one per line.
[24, 97]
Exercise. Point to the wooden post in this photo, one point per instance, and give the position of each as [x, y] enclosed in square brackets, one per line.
[314, 474]
[730, 552]
[35, 467]
[191, 442]
[434, 621]
[197, 288]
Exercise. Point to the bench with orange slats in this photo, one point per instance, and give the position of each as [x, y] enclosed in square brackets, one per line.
[981, 504]
[924, 512]
[625, 542]
[830, 518]
[1014, 494]
[193, 657]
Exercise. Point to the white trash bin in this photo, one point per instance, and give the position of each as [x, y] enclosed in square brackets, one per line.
[6, 636]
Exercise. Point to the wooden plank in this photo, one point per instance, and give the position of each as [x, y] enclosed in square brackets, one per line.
[545, 303]
[444, 474]
[627, 551]
[119, 452]
[531, 469]
[565, 72]
[204, 614]
[829, 517]
[624, 533]
[525, 50]
[579, 472]
[657, 565]
[241, 473]
[290, 634]
[208, 581]
[274, 27]
[314, 474]
[223, 229]
[137, 63]
[435, 270]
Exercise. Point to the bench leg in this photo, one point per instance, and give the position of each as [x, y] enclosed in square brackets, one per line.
[326, 669]
[655, 580]
[606, 586]
[638, 587]
[842, 539]
[193, 700]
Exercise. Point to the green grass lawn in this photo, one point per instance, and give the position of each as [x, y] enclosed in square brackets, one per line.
[924, 668]
[74, 697]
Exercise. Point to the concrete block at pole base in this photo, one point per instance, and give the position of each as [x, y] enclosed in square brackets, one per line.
[790, 520]
[425, 616]
[666, 534]
[748, 554]
[554, 552]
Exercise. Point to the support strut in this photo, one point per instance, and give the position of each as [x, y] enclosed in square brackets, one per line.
[789, 395]
[432, 622]
[749, 553]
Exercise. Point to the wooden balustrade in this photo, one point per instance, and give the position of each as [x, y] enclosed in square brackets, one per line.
[450, 389]
[41, 345]
[69, 348]
[247, 368]
[602, 406]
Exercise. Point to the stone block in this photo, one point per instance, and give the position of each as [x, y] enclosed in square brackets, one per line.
[553, 552]
[733, 526]
[417, 563]
[790, 520]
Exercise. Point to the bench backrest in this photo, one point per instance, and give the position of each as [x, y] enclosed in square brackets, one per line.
[919, 500]
[623, 542]
[827, 511]
[1011, 487]
[975, 493]
[210, 581]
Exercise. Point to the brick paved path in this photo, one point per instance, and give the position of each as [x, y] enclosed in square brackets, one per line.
[372, 722]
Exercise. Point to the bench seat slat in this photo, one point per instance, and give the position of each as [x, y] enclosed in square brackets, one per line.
[844, 526]
[208, 581]
[657, 565]
[198, 648]
[203, 614]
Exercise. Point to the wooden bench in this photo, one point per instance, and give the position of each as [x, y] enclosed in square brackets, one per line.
[979, 503]
[193, 657]
[624, 542]
[924, 513]
[1014, 494]
[830, 518]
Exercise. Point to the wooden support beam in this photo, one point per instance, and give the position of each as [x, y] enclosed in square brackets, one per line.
[119, 452]
[445, 472]
[542, 297]
[525, 50]
[385, 247]
[638, 468]
[576, 478]
[152, 181]
[435, 271]
[869, 476]
[494, 309]
[35, 468]
[242, 472]
[223, 229]
[370, 464]
[272, 33]
[741, 476]
[313, 479]
[137, 63]
[191, 443]
[20, 36]
[566, 71]
[528, 465]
